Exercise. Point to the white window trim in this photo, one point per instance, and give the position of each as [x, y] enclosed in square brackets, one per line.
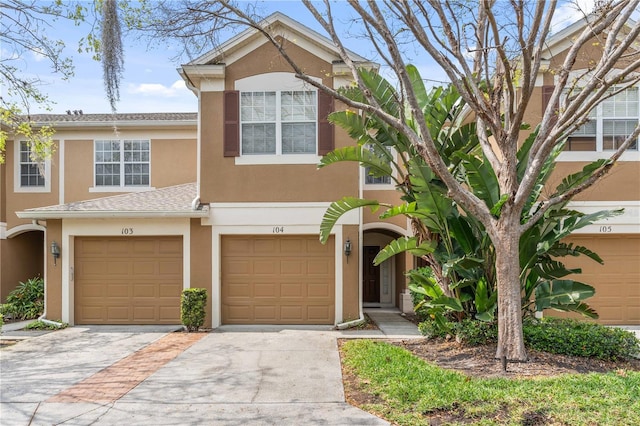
[278, 82]
[17, 187]
[391, 186]
[122, 187]
[579, 156]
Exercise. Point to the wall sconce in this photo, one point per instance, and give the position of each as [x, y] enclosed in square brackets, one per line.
[55, 252]
[347, 249]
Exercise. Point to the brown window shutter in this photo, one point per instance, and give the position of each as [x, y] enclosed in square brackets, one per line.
[231, 133]
[326, 141]
[547, 91]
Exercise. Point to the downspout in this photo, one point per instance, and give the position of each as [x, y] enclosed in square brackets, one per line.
[42, 317]
[361, 319]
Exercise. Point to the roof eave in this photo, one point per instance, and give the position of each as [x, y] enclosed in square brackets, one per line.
[60, 214]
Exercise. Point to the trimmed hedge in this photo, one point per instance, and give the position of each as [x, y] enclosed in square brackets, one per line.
[579, 338]
[193, 305]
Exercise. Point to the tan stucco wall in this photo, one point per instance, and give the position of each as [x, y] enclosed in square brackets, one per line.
[350, 276]
[201, 262]
[21, 259]
[223, 181]
[53, 277]
[78, 170]
[383, 196]
[173, 162]
[620, 184]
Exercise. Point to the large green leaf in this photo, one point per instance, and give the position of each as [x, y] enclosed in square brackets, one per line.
[481, 179]
[377, 166]
[337, 209]
[579, 308]
[556, 293]
[576, 179]
[402, 245]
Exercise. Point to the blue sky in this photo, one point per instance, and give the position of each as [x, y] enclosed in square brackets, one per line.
[151, 82]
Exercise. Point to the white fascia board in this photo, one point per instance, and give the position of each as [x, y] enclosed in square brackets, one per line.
[3, 230]
[273, 214]
[288, 26]
[60, 214]
[626, 223]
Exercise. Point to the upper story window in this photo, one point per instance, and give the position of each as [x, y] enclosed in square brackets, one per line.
[609, 125]
[278, 122]
[29, 175]
[276, 118]
[122, 163]
[370, 179]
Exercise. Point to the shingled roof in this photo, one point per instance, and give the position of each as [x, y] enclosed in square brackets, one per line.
[78, 118]
[172, 201]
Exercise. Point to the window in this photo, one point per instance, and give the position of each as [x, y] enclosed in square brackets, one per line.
[122, 163]
[278, 122]
[610, 124]
[31, 175]
[370, 179]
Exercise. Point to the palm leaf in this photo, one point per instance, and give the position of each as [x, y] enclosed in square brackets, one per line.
[377, 166]
[337, 209]
[402, 245]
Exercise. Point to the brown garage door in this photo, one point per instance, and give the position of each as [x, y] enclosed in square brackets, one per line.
[617, 282]
[131, 280]
[277, 280]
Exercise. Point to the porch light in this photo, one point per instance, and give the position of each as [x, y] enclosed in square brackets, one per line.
[347, 247]
[55, 252]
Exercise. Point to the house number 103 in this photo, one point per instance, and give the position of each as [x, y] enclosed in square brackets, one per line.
[127, 231]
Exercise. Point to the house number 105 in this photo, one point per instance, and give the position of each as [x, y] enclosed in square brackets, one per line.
[127, 231]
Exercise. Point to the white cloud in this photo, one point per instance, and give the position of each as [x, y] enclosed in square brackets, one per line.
[38, 56]
[178, 88]
[569, 12]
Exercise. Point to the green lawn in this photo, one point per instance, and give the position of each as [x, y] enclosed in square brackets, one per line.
[409, 391]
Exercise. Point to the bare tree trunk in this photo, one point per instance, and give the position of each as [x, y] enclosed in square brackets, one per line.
[510, 337]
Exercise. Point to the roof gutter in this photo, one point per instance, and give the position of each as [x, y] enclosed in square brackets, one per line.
[57, 214]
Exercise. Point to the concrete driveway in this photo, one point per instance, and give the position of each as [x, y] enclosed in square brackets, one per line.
[149, 376]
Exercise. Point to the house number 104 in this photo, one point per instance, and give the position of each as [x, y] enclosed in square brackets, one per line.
[278, 229]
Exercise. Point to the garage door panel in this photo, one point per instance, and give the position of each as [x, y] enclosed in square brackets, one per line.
[131, 283]
[264, 267]
[166, 267]
[276, 280]
[319, 313]
[292, 267]
[291, 314]
[318, 267]
[617, 282]
[264, 246]
[265, 290]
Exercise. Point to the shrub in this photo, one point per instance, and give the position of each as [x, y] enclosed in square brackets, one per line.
[27, 300]
[431, 329]
[476, 333]
[578, 338]
[41, 325]
[192, 308]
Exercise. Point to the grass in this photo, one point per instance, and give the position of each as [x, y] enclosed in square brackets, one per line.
[410, 391]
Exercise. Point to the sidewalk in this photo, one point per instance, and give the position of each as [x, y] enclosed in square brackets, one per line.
[391, 325]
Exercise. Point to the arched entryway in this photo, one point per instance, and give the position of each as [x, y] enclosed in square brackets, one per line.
[381, 284]
[22, 257]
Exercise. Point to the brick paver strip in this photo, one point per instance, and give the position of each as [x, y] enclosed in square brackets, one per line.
[115, 381]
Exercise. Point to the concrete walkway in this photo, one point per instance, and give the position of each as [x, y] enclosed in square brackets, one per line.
[142, 375]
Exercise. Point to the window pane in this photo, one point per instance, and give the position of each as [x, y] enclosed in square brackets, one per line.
[258, 106]
[298, 106]
[299, 138]
[616, 131]
[30, 174]
[258, 139]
